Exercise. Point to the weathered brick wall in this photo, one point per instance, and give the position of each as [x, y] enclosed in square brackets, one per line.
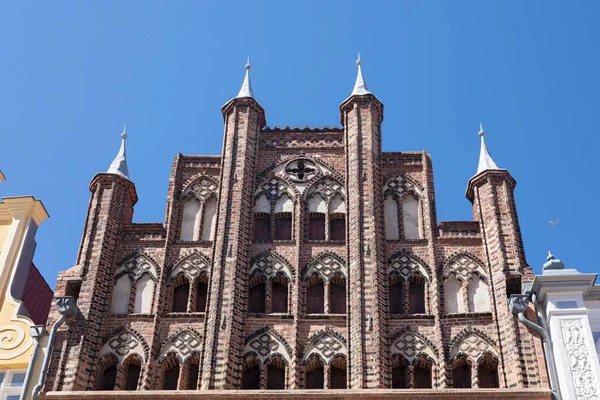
[251, 156]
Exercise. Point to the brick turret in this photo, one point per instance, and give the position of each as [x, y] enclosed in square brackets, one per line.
[243, 118]
[361, 116]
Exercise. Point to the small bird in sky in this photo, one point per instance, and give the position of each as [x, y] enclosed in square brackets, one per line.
[554, 223]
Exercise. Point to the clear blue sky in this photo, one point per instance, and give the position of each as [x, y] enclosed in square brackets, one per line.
[74, 72]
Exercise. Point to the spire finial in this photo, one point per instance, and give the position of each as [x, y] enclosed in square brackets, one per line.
[485, 160]
[550, 256]
[552, 263]
[360, 86]
[246, 90]
[119, 164]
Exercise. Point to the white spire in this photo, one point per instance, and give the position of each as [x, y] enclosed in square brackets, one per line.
[485, 160]
[360, 87]
[246, 90]
[119, 164]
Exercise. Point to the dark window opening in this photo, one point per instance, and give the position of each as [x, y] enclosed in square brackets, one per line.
[192, 383]
[338, 227]
[337, 300]
[316, 226]
[133, 376]
[422, 377]
[315, 378]
[109, 378]
[315, 299]
[275, 377]
[283, 226]
[396, 298]
[251, 378]
[256, 300]
[399, 380]
[73, 289]
[513, 285]
[488, 377]
[201, 297]
[181, 294]
[416, 298]
[338, 378]
[279, 302]
[262, 227]
[171, 378]
[461, 376]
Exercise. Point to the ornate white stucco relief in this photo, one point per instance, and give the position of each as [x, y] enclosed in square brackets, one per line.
[584, 381]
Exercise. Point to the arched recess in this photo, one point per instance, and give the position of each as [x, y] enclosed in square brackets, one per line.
[472, 343]
[326, 206]
[409, 280]
[142, 273]
[403, 209]
[124, 343]
[267, 358]
[275, 273]
[195, 267]
[325, 283]
[183, 349]
[464, 275]
[328, 350]
[274, 210]
[416, 360]
[198, 221]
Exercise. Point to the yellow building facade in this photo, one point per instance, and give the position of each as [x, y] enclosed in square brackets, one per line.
[24, 295]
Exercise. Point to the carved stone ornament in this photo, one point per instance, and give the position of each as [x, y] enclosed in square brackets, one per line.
[183, 345]
[301, 170]
[123, 344]
[266, 345]
[584, 381]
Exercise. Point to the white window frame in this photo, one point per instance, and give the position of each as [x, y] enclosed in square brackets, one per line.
[5, 388]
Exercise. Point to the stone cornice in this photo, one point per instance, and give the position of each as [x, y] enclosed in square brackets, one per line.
[249, 102]
[482, 177]
[28, 205]
[364, 99]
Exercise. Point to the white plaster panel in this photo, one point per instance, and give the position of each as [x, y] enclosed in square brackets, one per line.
[391, 218]
[284, 204]
[191, 209]
[210, 219]
[410, 217]
[478, 292]
[453, 295]
[144, 295]
[262, 205]
[121, 294]
[317, 204]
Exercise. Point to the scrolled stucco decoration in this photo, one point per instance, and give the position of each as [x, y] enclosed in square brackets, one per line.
[183, 345]
[326, 266]
[585, 384]
[463, 266]
[13, 342]
[405, 265]
[191, 266]
[266, 344]
[136, 266]
[122, 345]
[327, 345]
[270, 265]
[409, 345]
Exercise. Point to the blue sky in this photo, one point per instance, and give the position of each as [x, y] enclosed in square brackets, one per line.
[73, 73]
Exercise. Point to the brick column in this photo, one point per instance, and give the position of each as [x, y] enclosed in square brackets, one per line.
[224, 329]
[491, 193]
[362, 116]
[110, 207]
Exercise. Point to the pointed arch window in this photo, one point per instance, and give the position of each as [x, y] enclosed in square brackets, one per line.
[315, 295]
[284, 208]
[144, 294]
[133, 376]
[487, 372]
[465, 286]
[121, 295]
[314, 374]
[251, 374]
[326, 208]
[171, 378]
[181, 294]
[109, 378]
[402, 210]
[338, 377]
[461, 373]
[276, 374]
[274, 212]
[201, 292]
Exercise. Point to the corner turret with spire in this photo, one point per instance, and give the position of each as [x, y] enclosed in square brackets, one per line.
[246, 97]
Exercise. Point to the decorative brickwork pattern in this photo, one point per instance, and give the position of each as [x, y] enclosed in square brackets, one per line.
[357, 309]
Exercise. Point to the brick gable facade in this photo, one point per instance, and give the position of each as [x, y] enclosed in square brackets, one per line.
[214, 350]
